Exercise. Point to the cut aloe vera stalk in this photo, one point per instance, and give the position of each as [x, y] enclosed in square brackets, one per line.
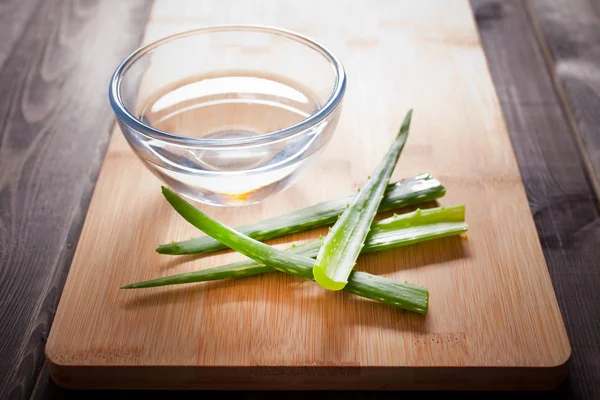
[388, 291]
[396, 231]
[410, 191]
[346, 239]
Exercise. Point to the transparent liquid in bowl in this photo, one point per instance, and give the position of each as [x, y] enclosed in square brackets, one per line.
[232, 106]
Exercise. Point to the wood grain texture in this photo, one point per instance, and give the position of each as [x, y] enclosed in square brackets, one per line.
[561, 198]
[570, 31]
[492, 301]
[54, 128]
[14, 15]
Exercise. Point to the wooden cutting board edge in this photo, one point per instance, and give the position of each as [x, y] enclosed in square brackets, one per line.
[307, 378]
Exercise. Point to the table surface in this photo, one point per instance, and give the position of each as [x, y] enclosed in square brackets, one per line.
[544, 57]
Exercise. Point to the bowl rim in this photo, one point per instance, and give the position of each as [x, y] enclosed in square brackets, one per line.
[123, 113]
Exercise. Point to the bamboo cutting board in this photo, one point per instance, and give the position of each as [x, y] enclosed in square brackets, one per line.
[493, 320]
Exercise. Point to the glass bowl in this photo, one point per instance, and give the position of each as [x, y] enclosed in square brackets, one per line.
[229, 115]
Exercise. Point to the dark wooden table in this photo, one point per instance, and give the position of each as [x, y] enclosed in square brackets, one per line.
[55, 61]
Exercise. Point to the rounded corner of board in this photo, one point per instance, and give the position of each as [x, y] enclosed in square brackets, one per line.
[59, 371]
[561, 367]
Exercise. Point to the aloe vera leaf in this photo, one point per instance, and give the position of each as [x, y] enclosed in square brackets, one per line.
[388, 291]
[409, 191]
[343, 244]
[401, 230]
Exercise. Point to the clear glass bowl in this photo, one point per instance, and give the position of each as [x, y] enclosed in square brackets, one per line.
[229, 115]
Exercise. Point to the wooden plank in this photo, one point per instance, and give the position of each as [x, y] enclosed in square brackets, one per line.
[570, 32]
[492, 301]
[14, 15]
[54, 128]
[561, 199]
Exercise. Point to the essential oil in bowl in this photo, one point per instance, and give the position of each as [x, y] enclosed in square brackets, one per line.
[231, 106]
